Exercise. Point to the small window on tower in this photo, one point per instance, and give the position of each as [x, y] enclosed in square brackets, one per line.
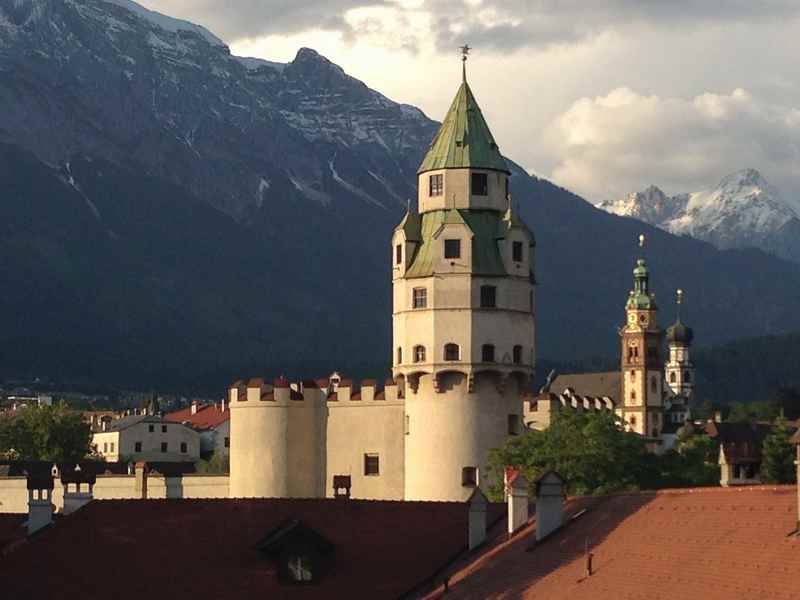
[419, 354]
[398, 254]
[164, 446]
[436, 183]
[399, 355]
[452, 352]
[137, 447]
[487, 353]
[488, 296]
[469, 476]
[184, 448]
[420, 297]
[513, 424]
[452, 248]
[672, 377]
[687, 377]
[653, 385]
[480, 184]
[516, 251]
[517, 355]
[633, 420]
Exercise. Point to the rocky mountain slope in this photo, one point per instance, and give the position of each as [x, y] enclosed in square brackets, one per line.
[744, 210]
[170, 213]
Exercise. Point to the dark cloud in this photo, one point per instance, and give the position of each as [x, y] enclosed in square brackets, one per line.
[493, 24]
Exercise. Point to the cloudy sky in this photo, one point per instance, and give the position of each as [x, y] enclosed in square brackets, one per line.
[601, 96]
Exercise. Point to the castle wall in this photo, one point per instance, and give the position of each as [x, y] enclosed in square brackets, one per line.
[359, 426]
[453, 429]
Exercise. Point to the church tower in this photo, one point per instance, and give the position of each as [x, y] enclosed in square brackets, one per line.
[679, 369]
[463, 309]
[642, 366]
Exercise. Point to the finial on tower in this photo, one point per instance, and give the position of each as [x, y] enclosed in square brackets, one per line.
[679, 301]
[641, 240]
[465, 49]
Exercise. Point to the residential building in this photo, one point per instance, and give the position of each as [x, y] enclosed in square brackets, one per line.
[146, 437]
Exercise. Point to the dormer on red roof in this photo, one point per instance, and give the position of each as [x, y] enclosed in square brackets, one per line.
[207, 416]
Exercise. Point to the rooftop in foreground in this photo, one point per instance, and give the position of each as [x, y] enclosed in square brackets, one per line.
[709, 543]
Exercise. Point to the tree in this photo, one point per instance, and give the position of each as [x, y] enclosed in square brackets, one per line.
[777, 455]
[50, 433]
[589, 449]
[218, 464]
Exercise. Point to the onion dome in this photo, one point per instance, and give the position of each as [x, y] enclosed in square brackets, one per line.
[680, 334]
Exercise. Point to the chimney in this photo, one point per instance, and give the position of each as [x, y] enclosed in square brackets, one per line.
[140, 471]
[222, 405]
[194, 407]
[78, 488]
[549, 504]
[517, 492]
[477, 518]
[341, 486]
[40, 501]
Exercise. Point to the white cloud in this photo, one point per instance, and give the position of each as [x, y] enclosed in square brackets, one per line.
[623, 141]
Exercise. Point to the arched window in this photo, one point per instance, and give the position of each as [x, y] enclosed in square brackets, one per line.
[399, 355]
[687, 377]
[517, 355]
[452, 352]
[419, 354]
[672, 377]
[487, 353]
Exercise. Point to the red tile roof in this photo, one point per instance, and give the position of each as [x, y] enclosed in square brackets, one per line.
[207, 416]
[709, 544]
[205, 549]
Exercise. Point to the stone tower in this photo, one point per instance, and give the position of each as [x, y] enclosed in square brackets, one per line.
[679, 369]
[642, 366]
[463, 309]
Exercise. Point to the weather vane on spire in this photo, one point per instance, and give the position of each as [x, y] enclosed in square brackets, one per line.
[465, 50]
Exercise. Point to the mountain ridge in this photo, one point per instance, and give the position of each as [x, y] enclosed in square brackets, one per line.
[188, 217]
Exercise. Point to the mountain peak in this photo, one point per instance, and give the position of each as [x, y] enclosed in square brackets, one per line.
[744, 177]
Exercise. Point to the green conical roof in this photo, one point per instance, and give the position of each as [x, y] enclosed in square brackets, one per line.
[464, 140]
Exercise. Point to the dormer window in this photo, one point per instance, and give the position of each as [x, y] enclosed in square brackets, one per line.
[299, 569]
[436, 185]
[452, 248]
[480, 184]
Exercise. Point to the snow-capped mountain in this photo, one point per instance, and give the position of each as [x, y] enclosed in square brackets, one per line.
[744, 210]
[169, 211]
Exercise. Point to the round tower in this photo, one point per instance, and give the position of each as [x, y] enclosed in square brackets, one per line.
[679, 370]
[463, 309]
[259, 451]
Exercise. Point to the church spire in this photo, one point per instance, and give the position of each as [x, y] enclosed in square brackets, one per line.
[640, 296]
[464, 140]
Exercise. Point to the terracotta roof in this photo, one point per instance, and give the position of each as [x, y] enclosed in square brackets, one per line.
[208, 416]
[382, 549]
[710, 543]
[11, 530]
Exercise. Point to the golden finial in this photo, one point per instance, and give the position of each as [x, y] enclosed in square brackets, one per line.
[465, 50]
[679, 294]
[641, 240]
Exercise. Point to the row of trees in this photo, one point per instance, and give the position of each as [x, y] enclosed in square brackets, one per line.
[49, 433]
[596, 456]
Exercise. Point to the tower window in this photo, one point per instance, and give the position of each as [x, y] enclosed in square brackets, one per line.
[487, 353]
[687, 377]
[452, 248]
[420, 298]
[672, 377]
[516, 251]
[480, 184]
[452, 352]
[137, 447]
[488, 296]
[517, 355]
[398, 254]
[653, 385]
[371, 465]
[436, 185]
[163, 429]
[184, 448]
[633, 420]
[469, 476]
[419, 354]
[513, 424]
[164, 446]
[399, 355]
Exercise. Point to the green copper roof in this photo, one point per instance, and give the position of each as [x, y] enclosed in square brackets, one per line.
[640, 296]
[464, 140]
[486, 228]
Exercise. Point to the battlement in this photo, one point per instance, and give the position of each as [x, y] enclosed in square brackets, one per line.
[331, 390]
[538, 410]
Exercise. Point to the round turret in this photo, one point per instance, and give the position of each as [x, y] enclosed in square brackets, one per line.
[679, 333]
